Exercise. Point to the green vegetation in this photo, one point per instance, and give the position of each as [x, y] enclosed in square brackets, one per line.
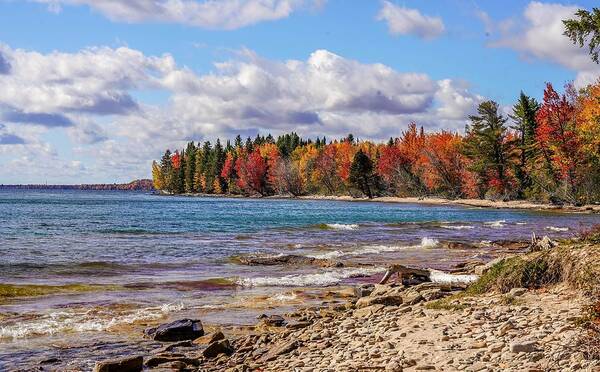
[585, 29]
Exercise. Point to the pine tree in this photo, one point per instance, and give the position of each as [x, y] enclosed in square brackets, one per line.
[190, 167]
[361, 173]
[198, 170]
[166, 168]
[524, 112]
[488, 146]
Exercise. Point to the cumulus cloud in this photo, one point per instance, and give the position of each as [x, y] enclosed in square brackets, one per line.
[211, 14]
[4, 65]
[541, 37]
[89, 93]
[406, 21]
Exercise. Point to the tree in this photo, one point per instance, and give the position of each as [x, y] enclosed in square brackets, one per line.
[524, 113]
[490, 149]
[158, 180]
[361, 173]
[252, 172]
[558, 142]
[190, 169]
[585, 29]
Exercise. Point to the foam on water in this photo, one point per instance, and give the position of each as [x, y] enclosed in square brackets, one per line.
[458, 227]
[342, 226]
[376, 249]
[557, 229]
[325, 278]
[445, 278]
[496, 224]
[91, 320]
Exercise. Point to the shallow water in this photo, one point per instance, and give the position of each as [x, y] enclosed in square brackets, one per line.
[172, 256]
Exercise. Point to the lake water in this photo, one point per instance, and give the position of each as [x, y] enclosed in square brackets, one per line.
[168, 257]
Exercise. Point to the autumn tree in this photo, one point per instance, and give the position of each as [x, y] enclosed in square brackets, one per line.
[445, 170]
[158, 180]
[585, 29]
[490, 149]
[558, 142]
[361, 174]
[252, 173]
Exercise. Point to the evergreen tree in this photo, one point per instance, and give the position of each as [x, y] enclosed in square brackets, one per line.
[180, 184]
[585, 29]
[524, 112]
[190, 169]
[487, 145]
[166, 168]
[217, 165]
[361, 173]
[206, 168]
[198, 176]
[238, 142]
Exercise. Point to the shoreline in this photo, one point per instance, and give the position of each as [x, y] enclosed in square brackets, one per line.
[432, 201]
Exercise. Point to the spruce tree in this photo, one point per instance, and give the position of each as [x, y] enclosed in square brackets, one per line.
[166, 168]
[361, 173]
[524, 112]
[190, 163]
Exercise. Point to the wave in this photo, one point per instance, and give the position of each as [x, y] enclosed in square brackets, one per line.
[495, 224]
[338, 226]
[321, 279]
[557, 229]
[458, 227]
[88, 321]
[445, 278]
[376, 249]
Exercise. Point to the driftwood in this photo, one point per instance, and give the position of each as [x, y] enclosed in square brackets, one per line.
[407, 274]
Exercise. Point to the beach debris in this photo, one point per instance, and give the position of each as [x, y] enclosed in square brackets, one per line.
[179, 330]
[407, 275]
[542, 244]
[129, 364]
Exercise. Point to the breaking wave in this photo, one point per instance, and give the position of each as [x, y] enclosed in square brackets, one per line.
[340, 226]
[557, 229]
[376, 249]
[458, 227]
[88, 321]
[496, 224]
[321, 279]
[445, 278]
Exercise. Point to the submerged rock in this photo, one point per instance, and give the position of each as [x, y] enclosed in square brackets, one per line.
[179, 330]
[130, 364]
[291, 260]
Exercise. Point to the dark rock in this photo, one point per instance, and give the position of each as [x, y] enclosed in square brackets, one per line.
[179, 330]
[217, 348]
[130, 364]
[363, 290]
[168, 348]
[280, 349]
[50, 361]
[290, 260]
[162, 359]
[273, 321]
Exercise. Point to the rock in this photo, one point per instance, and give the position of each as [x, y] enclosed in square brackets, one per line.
[163, 359]
[517, 292]
[363, 290]
[130, 364]
[280, 349]
[179, 330]
[523, 347]
[478, 345]
[289, 260]
[425, 368]
[216, 348]
[297, 325]
[393, 366]
[273, 321]
[505, 327]
[209, 339]
[386, 300]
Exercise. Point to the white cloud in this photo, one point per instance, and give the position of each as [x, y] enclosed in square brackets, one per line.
[406, 21]
[326, 94]
[211, 14]
[542, 37]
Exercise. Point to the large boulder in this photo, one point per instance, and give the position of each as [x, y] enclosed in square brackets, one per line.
[179, 330]
[129, 364]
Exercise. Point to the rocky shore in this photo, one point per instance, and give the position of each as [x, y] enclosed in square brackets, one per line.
[404, 327]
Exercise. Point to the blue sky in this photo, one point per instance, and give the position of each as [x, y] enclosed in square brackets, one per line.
[97, 89]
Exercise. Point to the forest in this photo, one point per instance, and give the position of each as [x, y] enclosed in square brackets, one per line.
[546, 151]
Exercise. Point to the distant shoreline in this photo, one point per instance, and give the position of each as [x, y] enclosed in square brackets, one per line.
[136, 185]
[478, 203]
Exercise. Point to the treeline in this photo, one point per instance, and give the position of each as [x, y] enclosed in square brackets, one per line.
[137, 185]
[545, 151]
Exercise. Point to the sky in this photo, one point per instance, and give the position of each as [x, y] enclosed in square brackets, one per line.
[91, 91]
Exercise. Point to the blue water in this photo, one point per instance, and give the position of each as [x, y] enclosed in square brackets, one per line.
[162, 251]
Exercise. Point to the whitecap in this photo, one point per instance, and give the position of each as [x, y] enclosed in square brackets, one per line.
[321, 279]
[342, 226]
[445, 278]
[376, 249]
[458, 227]
[429, 242]
[557, 229]
[87, 321]
[496, 224]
